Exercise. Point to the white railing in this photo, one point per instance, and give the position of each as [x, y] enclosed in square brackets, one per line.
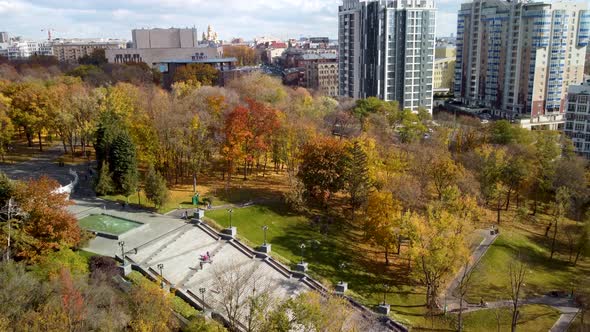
[68, 189]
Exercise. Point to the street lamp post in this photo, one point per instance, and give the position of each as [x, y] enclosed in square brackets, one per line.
[302, 246]
[202, 291]
[265, 228]
[161, 268]
[122, 245]
[230, 213]
[385, 289]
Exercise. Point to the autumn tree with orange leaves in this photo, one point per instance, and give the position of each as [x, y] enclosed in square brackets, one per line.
[43, 223]
[249, 132]
[323, 168]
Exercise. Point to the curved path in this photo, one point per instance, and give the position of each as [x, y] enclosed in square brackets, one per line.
[565, 305]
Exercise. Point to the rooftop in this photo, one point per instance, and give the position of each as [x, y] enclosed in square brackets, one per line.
[213, 60]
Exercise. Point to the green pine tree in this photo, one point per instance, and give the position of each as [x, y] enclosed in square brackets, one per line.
[358, 182]
[155, 187]
[104, 183]
[123, 163]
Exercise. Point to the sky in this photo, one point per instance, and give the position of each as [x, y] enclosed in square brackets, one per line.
[230, 18]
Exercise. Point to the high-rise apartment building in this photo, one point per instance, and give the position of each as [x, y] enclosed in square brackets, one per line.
[386, 50]
[577, 117]
[518, 58]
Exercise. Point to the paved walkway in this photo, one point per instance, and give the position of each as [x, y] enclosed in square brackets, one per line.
[448, 294]
[565, 305]
[42, 164]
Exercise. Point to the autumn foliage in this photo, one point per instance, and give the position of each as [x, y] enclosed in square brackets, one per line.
[45, 224]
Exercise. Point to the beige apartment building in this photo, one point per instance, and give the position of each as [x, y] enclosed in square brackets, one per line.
[71, 50]
[444, 74]
[518, 58]
[449, 51]
[321, 73]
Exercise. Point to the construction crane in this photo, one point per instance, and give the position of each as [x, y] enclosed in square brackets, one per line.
[49, 30]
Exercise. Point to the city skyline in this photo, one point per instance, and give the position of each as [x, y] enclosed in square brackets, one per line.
[231, 18]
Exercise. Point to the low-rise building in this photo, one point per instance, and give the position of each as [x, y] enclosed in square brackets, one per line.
[577, 117]
[321, 73]
[71, 50]
[22, 49]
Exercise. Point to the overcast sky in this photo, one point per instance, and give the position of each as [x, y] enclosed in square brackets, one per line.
[230, 18]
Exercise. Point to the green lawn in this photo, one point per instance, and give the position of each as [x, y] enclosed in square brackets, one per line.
[366, 277]
[285, 231]
[532, 318]
[325, 254]
[491, 277]
[177, 199]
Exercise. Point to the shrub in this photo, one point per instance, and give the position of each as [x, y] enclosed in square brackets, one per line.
[106, 266]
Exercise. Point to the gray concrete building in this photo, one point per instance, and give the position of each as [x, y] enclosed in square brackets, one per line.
[157, 46]
[386, 50]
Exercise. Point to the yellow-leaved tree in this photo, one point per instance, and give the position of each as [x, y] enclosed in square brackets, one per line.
[437, 247]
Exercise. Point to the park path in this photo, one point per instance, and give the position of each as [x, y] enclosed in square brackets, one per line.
[565, 305]
[447, 296]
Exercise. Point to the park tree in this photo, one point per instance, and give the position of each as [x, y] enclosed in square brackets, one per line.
[358, 180]
[410, 127]
[29, 103]
[237, 285]
[314, 312]
[462, 289]
[155, 187]
[323, 168]
[382, 224]
[515, 176]
[246, 56]
[259, 87]
[73, 304]
[502, 132]
[46, 224]
[197, 73]
[6, 190]
[571, 173]
[96, 58]
[583, 242]
[249, 131]
[123, 163]
[517, 274]
[547, 152]
[104, 182]
[7, 129]
[437, 246]
[560, 208]
[443, 173]
[150, 309]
